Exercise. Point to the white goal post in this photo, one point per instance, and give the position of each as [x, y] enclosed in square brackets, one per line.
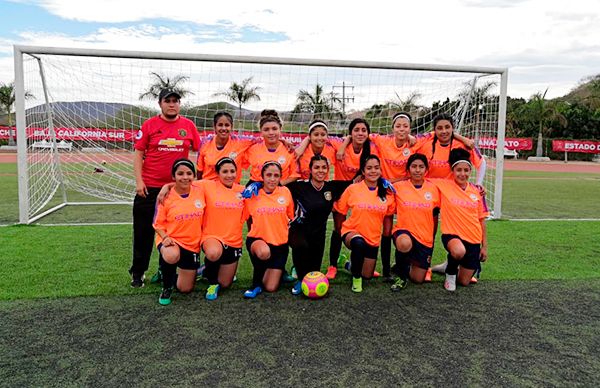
[77, 110]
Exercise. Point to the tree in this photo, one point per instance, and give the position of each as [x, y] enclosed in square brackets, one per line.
[542, 112]
[7, 100]
[320, 104]
[241, 93]
[161, 82]
[408, 104]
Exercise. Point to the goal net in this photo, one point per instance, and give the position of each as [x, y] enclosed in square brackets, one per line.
[78, 110]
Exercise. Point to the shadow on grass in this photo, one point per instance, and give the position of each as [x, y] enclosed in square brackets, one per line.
[495, 333]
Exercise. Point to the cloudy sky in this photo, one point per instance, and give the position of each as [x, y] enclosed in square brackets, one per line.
[544, 43]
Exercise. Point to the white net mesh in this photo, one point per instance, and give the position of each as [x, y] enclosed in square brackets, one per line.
[95, 109]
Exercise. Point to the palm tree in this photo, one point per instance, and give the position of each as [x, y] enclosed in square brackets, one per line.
[323, 105]
[241, 93]
[408, 104]
[542, 112]
[7, 100]
[161, 82]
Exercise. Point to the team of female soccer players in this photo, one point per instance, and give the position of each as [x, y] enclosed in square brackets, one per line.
[376, 177]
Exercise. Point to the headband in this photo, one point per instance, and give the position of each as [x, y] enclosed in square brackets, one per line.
[400, 115]
[224, 160]
[269, 163]
[318, 124]
[461, 161]
[183, 162]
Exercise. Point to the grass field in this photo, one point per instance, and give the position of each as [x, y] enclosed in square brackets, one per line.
[69, 317]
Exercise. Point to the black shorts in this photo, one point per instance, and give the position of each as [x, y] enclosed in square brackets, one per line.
[230, 255]
[371, 252]
[420, 255]
[472, 255]
[279, 253]
[187, 259]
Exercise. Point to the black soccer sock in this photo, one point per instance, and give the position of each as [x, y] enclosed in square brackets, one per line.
[335, 247]
[452, 267]
[169, 271]
[357, 256]
[211, 271]
[402, 265]
[258, 272]
[386, 252]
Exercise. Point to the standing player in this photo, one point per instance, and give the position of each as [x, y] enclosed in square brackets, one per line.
[271, 149]
[317, 143]
[348, 167]
[464, 211]
[161, 141]
[178, 225]
[271, 211]
[369, 201]
[314, 200]
[417, 207]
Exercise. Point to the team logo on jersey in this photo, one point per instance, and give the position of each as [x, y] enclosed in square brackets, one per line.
[198, 204]
[428, 196]
[406, 152]
[327, 195]
[233, 155]
[182, 132]
[170, 142]
[139, 135]
[473, 197]
[281, 200]
[281, 160]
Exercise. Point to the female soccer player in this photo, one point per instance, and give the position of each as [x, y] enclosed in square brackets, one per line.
[348, 168]
[267, 241]
[314, 200]
[272, 149]
[463, 211]
[369, 202]
[178, 225]
[417, 207]
[222, 228]
[317, 143]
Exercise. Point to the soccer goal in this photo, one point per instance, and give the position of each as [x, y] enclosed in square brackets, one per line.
[78, 110]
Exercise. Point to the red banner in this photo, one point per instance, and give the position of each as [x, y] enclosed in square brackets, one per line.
[588, 147]
[521, 144]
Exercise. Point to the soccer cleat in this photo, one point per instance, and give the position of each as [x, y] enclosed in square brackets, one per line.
[331, 272]
[342, 258]
[287, 278]
[137, 280]
[376, 274]
[440, 268]
[428, 276]
[212, 292]
[357, 285]
[474, 280]
[388, 279]
[252, 293]
[297, 289]
[450, 283]
[399, 285]
[165, 296]
[156, 278]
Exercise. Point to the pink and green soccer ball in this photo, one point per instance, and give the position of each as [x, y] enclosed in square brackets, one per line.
[315, 285]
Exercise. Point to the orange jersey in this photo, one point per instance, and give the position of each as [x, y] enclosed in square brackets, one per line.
[394, 158]
[414, 209]
[271, 214]
[223, 213]
[346, 169]
[329, 151]
[367, 211]
[438, 165]
[461, 210]
[235, 149]
[258, 154]
[181, 218]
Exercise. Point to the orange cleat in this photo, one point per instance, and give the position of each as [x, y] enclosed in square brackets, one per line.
[331, 272]
[376, 274]
[428, 275]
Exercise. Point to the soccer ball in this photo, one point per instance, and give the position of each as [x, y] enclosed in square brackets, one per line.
[315, 285]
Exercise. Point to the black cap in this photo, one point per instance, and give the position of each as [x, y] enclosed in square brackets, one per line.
[168, 92]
